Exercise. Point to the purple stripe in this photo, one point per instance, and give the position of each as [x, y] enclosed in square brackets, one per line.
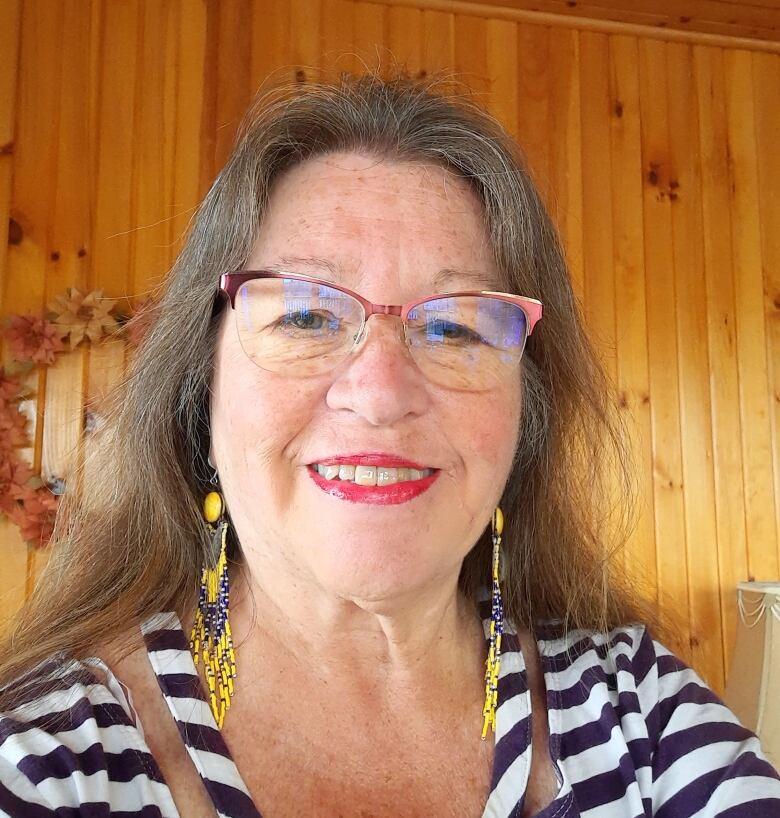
[181, 685]
[578, 693]
[11, 804]
[560, 662]
[678, 744]
[200, 737]
[509, 747]
[758, 808]
[101, 809]
[589, 735]
[30, 689]
[231, 801]
[105, 715]
[63, 762]
[166, 639]
[693, 796]
[644, 659]
[606, 787]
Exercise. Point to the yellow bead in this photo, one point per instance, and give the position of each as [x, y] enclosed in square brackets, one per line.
[212, 506]
[498, 521]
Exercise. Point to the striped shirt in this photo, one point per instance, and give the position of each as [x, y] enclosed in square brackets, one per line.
[633, 732]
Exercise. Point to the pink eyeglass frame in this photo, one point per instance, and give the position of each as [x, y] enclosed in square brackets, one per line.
[230, 283]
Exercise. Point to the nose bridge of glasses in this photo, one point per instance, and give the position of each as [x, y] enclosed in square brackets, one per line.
[383, 315]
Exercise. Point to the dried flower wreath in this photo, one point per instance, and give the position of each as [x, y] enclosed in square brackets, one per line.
[33, 341]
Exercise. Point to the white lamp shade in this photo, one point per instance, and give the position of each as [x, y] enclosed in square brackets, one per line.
[753, 688]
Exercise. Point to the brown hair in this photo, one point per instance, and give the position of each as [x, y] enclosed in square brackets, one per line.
[129, 539]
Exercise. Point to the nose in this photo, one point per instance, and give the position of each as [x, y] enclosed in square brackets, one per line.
[379, 380]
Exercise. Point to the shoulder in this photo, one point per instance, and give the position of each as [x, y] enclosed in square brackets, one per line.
[622, 698]
[69, 736]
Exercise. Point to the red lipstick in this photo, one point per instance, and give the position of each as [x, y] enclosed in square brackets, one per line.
[371, 459]
[378, 495]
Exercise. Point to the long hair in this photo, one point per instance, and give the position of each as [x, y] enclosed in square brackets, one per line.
[129, 539]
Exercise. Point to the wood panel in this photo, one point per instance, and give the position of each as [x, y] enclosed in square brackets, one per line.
[655, 156]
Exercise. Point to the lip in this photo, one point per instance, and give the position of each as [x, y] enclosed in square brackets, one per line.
[392, 461]
[377, 495]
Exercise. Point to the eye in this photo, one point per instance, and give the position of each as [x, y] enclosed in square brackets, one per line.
[306, 320]
[450, 331]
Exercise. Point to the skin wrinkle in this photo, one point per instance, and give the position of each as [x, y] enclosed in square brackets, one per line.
[328, 571]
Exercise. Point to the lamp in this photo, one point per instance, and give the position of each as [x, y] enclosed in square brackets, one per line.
[753, 688]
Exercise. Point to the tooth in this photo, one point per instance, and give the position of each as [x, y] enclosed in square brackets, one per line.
[365, 475]
[414, 474]
[403, 475]
[331, 472]
[386, 476]
[346, 472]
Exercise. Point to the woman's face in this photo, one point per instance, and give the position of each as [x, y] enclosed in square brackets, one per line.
[384, 229]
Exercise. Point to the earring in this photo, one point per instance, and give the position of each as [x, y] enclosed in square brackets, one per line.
[496, 629]
[211, 639]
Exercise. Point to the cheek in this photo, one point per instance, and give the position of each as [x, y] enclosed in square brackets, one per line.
[490, 429]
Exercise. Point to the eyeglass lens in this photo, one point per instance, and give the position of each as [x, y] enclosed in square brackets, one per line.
[305, 328]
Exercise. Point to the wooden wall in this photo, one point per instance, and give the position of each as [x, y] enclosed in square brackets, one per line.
[658, 159]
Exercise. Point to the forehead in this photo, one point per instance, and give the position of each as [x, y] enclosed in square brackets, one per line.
[353, 218]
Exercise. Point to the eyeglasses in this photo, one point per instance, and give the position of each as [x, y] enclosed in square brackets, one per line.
[304, 326]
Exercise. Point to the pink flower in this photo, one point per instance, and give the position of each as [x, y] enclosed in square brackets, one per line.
[32, 338]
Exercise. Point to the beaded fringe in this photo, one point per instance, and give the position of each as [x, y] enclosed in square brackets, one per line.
[211, 639]
[493, 661]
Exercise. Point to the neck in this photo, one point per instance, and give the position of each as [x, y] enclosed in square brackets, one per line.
[391, 647]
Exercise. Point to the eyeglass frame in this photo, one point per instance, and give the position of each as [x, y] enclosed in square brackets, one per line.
[231, 283]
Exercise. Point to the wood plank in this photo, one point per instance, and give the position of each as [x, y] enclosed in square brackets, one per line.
[597, 197]
[662, 343]
[10, 22]
[13, 573]
[371, 35]
[706, 638]
[438, 46]
[305, 34]
[270, 44]
[565, 136]
[404, 39]
[471, 55]
[153, 154]
[106, 370]
[721, 340]
[754, 389]
[68, 231]
[632, 376]
[766, 85]
[338, 38]
[35, 155]
[664, 18]
[534, 98]
[188, 104]
[113, 221]
[64, 418]
[502, 66]
[233, 78]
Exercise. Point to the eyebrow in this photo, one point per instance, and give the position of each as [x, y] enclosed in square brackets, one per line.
[475, 278]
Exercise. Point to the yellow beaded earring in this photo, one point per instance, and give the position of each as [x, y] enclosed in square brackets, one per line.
[211, 639]
[493, 661]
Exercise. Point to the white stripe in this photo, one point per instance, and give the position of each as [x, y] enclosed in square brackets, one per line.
[697, 762]
[192, 711]
[597, 759]
[217, 768]
[737, 791]
[513, 782]
[172, 660]
[78, 789]
[112, 739]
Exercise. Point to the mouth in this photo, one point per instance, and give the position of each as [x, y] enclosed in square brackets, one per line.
[378, 479]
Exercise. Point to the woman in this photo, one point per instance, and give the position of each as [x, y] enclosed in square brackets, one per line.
[353, 630]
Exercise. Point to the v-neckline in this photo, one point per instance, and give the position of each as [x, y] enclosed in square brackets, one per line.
[183, 691]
